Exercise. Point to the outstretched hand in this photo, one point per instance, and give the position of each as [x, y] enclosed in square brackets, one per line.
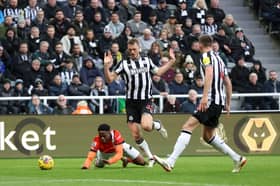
[172, 54]
[108, 59]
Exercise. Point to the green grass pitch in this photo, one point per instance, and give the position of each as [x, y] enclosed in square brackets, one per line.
[189, 171]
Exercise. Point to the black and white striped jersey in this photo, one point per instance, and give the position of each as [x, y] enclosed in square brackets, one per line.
[137, 76]
[216, 93]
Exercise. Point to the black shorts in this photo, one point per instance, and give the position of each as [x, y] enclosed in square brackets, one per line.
[210, 117]
[135, 109]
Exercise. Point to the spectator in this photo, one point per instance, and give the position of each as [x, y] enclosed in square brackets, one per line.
[216, 50]
[38, 88]
[71, 9]
[137, 26]
[272, 85]
[105, 42]
[40, 21]
[174, 45]
[198, 12]
[35, 107]
[162, 11]
[240, 76]
[34, 39]
[123, 38]
[89, 71]
[68, 71]
[34, 71]
[179, 36]
[259, 70]
[42, 53]
[145, 10]
[169, 75]
[154, 24]
[8, 23]
[223, 40]
[99, 88]
[70, 39]
[155, 53]
[78, 57]
[22, 30]
[49, 73]
[191, 104]
[251, 102]
[97, 25]
[22, 61]
[160, 87]
[50, 9]
[60, 23]
[126, 11]
[275, 18]
[30, 11]
[195, 53]
[91, 11]
[217, 12]
[77, 88]
[110, 8]
[7, 106]
[146, 41]
[60, 56]
[188, 70]
[20, 91]
[198, 83]
[12, 10]
[229, 26]
[177, 86]
[163, 40]
[62, 107]
[187, 26]
[90, 44]
[241, 45]
[5, 64]
[57, 87]
[10, 41]
[170, 25]
[49, 36]
[80, 24]
[210, 27]
[172, 105]
[182, 12]
[82, 108]
[115, 25]
[117, 55]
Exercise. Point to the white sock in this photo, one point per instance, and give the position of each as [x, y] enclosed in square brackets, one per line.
[181, 143]
[145, 147]
[220, 145]
[156, 125]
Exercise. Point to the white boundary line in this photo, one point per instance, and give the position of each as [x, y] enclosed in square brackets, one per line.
[52, 181]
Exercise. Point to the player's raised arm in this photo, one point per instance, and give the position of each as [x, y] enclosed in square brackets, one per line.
[108, 62]
[165, 67]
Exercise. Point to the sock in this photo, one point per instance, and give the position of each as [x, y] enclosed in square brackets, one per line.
[156, 125]
[143, 145]
[181, 143]
[220, 145]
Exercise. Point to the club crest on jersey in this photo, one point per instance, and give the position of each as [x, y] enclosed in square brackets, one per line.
[130, 118]
[206, 60]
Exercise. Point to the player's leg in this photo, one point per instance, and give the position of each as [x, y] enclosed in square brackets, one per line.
[181, 143]
[140, 141]
[132, 155]
[147, 122]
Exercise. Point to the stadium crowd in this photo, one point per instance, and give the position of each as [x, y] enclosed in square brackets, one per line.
[56, 48]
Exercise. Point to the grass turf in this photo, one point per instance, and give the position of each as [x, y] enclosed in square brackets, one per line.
[189, 171]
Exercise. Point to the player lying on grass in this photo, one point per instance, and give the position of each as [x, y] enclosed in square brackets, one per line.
[109, 147]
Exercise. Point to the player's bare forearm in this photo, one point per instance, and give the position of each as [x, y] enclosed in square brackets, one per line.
[167, 66]
[228, 86]
[118, 155]
[109, 76]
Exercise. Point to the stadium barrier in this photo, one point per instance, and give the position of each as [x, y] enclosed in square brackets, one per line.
[236, 98]
[71, 135]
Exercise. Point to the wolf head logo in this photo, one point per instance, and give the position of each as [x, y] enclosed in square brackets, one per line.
[259, 133]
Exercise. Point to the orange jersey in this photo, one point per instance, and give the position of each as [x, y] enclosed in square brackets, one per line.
[108, 147]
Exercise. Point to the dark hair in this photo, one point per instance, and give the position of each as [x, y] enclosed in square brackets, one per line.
[133, 41]
[103, 127]
[206, 40]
